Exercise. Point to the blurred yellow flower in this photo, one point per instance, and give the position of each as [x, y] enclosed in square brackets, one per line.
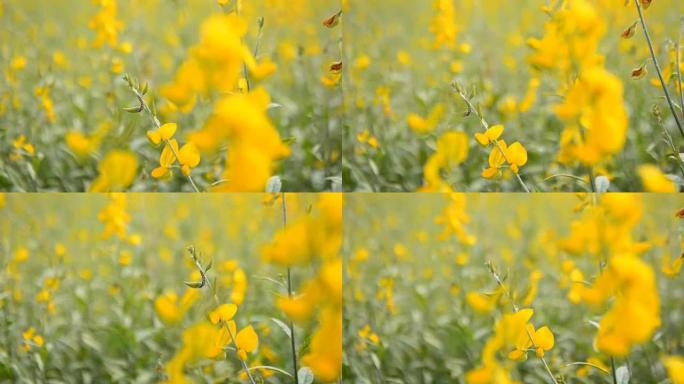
[654, 180]
[675, 368]
[117, 169]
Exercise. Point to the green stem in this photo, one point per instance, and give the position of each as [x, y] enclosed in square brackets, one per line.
[245, 74]
[612, 369]
[657, 67]
[293, 347]
[592, 180]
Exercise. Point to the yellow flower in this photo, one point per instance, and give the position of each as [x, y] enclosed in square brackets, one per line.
[426, 125]
[671, 267]
[215, 63]
[595, 117]
[30, 337]
[246, 341]
[452, 150]
[254, 144]
[332, 79]
[22, 143]
[223, 312]
[125, 258]
[542, 339]
[80, 144]
[365, 137]
[188, 157]
[18, 63]
[117, 66]
[117, 171]
[675, 368]
[654, 180]
[492, 134]
[482, 303]
[442, 25]
[106, 24]
[298, 308]
[635, 312]
[261, 70]
[170, 310]
[366, 333]
[404, 58]
[21, 254]
[516, 155]
[165, 132]
[325, 352]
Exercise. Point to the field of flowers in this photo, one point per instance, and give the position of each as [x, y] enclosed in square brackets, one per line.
[170, 288]
[208, 95]
[500, 95]
[505, 288]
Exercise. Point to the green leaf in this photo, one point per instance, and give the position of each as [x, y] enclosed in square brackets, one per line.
[133, 109]
[194, 284]
[283, 326]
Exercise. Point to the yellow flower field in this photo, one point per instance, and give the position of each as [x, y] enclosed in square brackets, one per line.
[170, 288]
[526, 95]
[506, 288]
[200, 95]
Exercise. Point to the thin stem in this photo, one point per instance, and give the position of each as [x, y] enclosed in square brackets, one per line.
[259, 35]
[612, 369]
[657, 66]
[245, 74]
[577, 178]
[592, 181]
[289, 295]
[471, 108]
[340, 89]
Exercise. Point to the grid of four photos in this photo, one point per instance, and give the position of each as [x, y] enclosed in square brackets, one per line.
[342, 191]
